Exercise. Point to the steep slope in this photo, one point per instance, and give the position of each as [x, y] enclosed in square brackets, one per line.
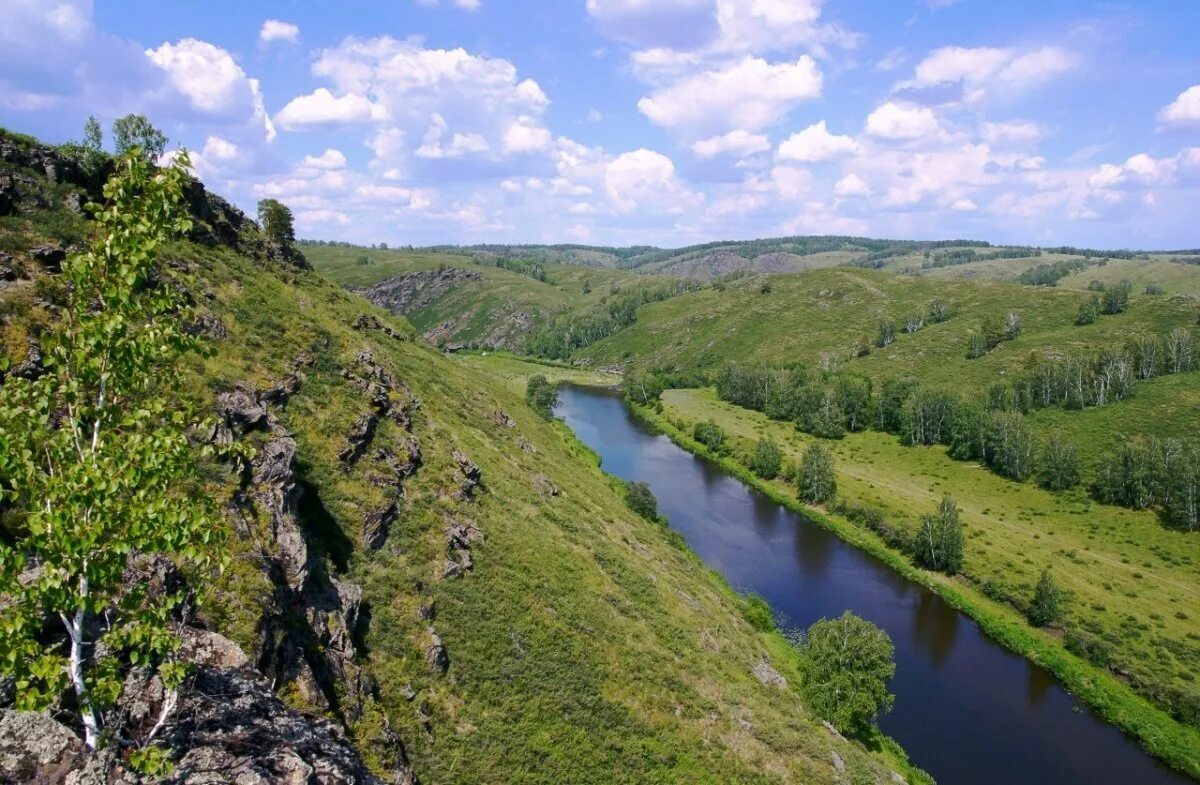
[457, 301]
[418, 557]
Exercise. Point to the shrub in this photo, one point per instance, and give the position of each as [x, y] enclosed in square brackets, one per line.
[640, 499]
[758, 613]
[541, 395]
[815, 479]
[710, 435]
[1047, 599]
[767, 459]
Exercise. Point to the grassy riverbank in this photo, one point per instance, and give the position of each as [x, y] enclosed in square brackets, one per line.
[1110, 697]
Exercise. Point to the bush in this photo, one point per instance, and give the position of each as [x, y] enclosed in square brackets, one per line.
[767, 459]
[938, 544]
[758, 613]
[541, 395]
[847, 663]
[815, 481]
[710, 435]
[640, 499]
[1047, 599]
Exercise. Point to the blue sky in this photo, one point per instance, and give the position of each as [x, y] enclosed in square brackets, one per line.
[666, 122]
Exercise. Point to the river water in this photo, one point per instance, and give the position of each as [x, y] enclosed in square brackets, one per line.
[967, 710]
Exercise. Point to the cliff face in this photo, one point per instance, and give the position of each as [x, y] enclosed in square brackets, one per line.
[424, 578]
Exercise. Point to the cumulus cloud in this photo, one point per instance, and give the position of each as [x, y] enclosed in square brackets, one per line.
[977, 70]
[749, 94]
[1184, 111]
[274, 30]
[218, 149]
[645, 177]
[851, 185]
[718, 26]
[1016, 132]
[328, 160]
[323, 109]
[739, 143]
[525, 135]
[435, 144]
[815, 144]
[211, 80]
[902, 122]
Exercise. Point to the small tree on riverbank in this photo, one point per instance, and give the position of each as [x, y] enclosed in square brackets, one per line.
[1046, 606]
[767, 459]
[847, 663]
[640, 499]
[541, 395]
[939, 541]
[815, 480]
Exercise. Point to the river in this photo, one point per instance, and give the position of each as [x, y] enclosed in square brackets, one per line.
[967, 710]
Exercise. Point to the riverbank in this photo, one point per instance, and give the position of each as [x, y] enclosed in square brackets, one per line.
[1110, 698]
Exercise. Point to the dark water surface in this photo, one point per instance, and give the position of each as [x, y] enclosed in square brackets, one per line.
[967, 710]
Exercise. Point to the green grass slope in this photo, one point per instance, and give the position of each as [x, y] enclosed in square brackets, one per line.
[799, 318]
[496, 310]
[585, 646]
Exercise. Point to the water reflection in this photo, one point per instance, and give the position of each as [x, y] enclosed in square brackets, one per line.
[934, 628]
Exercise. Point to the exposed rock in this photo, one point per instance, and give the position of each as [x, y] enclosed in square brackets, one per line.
[525, 445]
[359, 438]
[460, 535]
[457, 565]
[275, 490]
[366, 322]
[472, 475]
[230, 728]
[242, 411]
[381, 388]
[208, 648]
[426, 610]
[206, 324]
[832, 731]
[501, 418]
[435, 652]
[377, 524]
[898, 779]
[49, 257]
[763, 671]
[544, 487]
[281, 393]
[416, 290]
[838, 763]
[31, 366]
[36, 749]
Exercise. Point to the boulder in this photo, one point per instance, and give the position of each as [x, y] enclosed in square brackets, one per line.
[241, 410]
[37, 749]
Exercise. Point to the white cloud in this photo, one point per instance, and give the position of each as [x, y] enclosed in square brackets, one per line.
[274, 30]
[749, 94]
[791, 182]
[645, 178]
[211, 80]
[851, 185]
[815, 144]
[1016, 132]
[902, 122]
[525, 135]
[1184, 111]
[465, 5]
[718, 26]
[329, 160]
[460, 144]
[977, 70]
[218, 149]
[738, 142]
[322, 109]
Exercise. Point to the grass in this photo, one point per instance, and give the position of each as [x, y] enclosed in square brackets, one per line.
[827, 312]
[516, 371]
[1010, 535]
[488, 312]
[585, 646]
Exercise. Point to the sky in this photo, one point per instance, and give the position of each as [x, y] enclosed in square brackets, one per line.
[662, 122]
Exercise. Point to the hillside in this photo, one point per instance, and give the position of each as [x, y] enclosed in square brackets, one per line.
[459, 301]
[419, 558]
